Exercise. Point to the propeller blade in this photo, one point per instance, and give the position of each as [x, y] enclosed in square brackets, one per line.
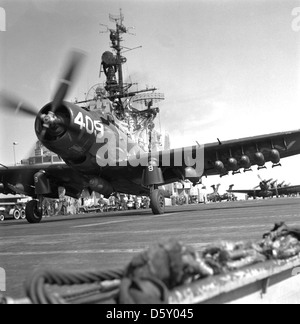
[74, 61]
[12, 103]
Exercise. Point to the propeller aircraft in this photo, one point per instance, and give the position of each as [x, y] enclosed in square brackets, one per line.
[217, 197]
[227, 196]
[99, 155]
[214, 196]
[269, 188]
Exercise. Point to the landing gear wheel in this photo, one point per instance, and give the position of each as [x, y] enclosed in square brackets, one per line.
[2, 218]
[33, 214]
[23, 214]
[17, 214]
[157, 202]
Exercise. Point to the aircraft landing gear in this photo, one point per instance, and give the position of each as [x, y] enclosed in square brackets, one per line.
[34, 212]
[34, 208]
[23, 214]
[16, 214]
[157, 202]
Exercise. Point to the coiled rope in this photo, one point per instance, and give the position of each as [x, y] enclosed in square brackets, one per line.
[106, 286]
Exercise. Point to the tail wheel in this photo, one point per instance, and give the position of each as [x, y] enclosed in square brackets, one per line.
[23, 214]
[2, 218]
[17, 214]
[33, 213]
[157, 202]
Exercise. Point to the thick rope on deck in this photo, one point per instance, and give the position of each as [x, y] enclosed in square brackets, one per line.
[37, 287]
[153, 274]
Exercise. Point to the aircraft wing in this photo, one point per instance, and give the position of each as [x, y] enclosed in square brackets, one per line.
[20, 179]
[127, 177]
[247, 192]
[286, 144]
[288, 190]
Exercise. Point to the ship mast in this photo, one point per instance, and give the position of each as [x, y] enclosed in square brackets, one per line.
[124, 105]
[116, 38]
[112, 63]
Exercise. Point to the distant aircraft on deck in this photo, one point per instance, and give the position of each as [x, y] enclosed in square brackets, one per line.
[216, 197]
[269, 188]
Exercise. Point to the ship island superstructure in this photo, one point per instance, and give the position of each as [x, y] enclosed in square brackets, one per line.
[135, 112]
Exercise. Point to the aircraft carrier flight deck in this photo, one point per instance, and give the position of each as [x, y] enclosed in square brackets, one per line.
[108, 241]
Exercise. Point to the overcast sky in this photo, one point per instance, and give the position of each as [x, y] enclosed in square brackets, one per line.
[228, 68]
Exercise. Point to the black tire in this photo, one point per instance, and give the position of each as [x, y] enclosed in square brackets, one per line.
[33, 215]
[17, 214]
[2, 218]
[157, 202]
[23, 214]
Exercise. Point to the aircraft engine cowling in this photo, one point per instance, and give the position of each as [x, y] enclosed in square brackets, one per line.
[260, 159]
[219, 166]
[101, 186]
[245, 162]
[275, 156]
[71, 134]
[232, 164]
